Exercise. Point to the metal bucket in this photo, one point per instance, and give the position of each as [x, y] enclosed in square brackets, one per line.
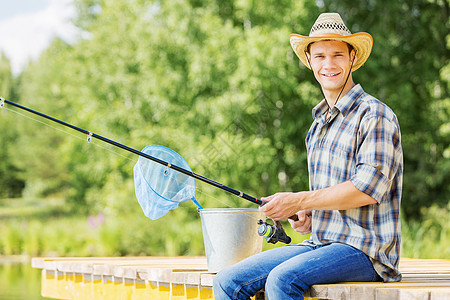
[230, 235]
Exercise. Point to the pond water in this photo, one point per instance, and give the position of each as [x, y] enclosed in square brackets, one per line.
[19, 281]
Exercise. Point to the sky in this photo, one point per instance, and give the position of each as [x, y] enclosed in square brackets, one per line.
[28, 26]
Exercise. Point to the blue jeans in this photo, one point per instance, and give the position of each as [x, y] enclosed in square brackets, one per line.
[287, 272]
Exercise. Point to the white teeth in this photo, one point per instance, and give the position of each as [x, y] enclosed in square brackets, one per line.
[330, 75]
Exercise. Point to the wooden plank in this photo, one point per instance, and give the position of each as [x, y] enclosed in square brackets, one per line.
[207, 279]
[403, 261]
[412, 293]
[440, 294]
[177, 277]
[108, 266]
[401, 294]
[419, 277]
[363, 290]
[156, 275]
[427, 270]
[193, 278]
[164, 275]
[40, 262]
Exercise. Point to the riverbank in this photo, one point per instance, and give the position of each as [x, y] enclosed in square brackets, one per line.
[14, 259]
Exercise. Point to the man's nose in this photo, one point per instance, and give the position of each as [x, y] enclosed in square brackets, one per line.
[329, 62]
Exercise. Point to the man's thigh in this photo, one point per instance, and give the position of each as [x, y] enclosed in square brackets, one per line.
[262, 263]
[249, 275]
[330, 263]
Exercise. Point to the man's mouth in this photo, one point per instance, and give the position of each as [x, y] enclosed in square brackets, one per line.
[331, 74]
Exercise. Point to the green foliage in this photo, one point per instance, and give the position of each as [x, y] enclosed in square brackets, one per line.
[130, 233]
[429, 238]
[10, 184]
[6, 77]
[44, 228]
[409, 54]
[171, 74]
[217, 82]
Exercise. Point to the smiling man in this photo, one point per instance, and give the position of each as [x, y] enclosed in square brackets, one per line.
[355, 165]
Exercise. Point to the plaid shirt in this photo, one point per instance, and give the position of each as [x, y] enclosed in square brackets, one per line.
[360, 142]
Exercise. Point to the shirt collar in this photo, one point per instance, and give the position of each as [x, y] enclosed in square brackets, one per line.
[343, 105]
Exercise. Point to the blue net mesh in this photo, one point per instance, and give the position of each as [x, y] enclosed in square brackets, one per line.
[159, 188]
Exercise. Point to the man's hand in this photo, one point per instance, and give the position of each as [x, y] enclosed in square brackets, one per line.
[281, 206]
[303, 225]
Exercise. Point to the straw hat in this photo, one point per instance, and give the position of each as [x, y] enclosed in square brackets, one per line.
[329, 26]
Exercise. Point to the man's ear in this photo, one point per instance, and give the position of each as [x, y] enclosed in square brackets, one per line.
[308, 59]
[353, 57]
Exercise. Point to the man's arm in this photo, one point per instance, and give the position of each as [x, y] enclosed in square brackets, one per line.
[338, 197]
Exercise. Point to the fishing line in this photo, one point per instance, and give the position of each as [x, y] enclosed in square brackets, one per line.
[151, 157]
[71, 134]
[94, 142]
[162, 178]
[211, 196]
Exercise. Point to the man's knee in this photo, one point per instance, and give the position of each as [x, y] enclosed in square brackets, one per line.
[225, 283]
[220, 279]
[281, 279]
[277, 278]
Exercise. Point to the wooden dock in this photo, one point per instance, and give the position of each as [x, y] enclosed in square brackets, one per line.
[188, 278]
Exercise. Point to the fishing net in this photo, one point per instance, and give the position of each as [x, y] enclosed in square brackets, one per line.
[162, 178]
[159, 188]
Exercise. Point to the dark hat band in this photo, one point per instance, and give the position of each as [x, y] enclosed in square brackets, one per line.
[335, 26]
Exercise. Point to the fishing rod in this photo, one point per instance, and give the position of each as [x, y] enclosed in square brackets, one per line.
[272, 233]
[91, 135]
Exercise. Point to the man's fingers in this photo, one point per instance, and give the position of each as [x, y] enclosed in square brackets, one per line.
[302, 227]
[267, 208]
[268, 198]
[272, 211]
[301, 215]
[279, 206]
[293, 223]
[307, 223]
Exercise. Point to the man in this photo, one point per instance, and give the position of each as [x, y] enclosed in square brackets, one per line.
[355, 164]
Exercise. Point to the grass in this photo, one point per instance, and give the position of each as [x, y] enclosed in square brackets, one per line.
[24, 208]
[429, 238]
[54, 231]
[46, 228]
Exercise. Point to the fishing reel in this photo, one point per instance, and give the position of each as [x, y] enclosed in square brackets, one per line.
[273, 233]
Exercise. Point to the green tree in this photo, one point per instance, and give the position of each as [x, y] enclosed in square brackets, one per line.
[411, 50]
[218, 82]
[10, 183]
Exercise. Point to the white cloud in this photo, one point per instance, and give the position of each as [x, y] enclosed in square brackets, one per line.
[24, 36]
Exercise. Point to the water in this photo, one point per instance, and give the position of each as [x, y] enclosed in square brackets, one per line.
[19, 281]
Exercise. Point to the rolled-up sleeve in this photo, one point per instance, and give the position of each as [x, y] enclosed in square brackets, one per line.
[377, 158]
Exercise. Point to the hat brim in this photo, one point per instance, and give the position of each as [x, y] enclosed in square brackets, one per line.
[361, 41]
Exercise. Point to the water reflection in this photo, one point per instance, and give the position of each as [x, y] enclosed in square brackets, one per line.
[19, 281]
